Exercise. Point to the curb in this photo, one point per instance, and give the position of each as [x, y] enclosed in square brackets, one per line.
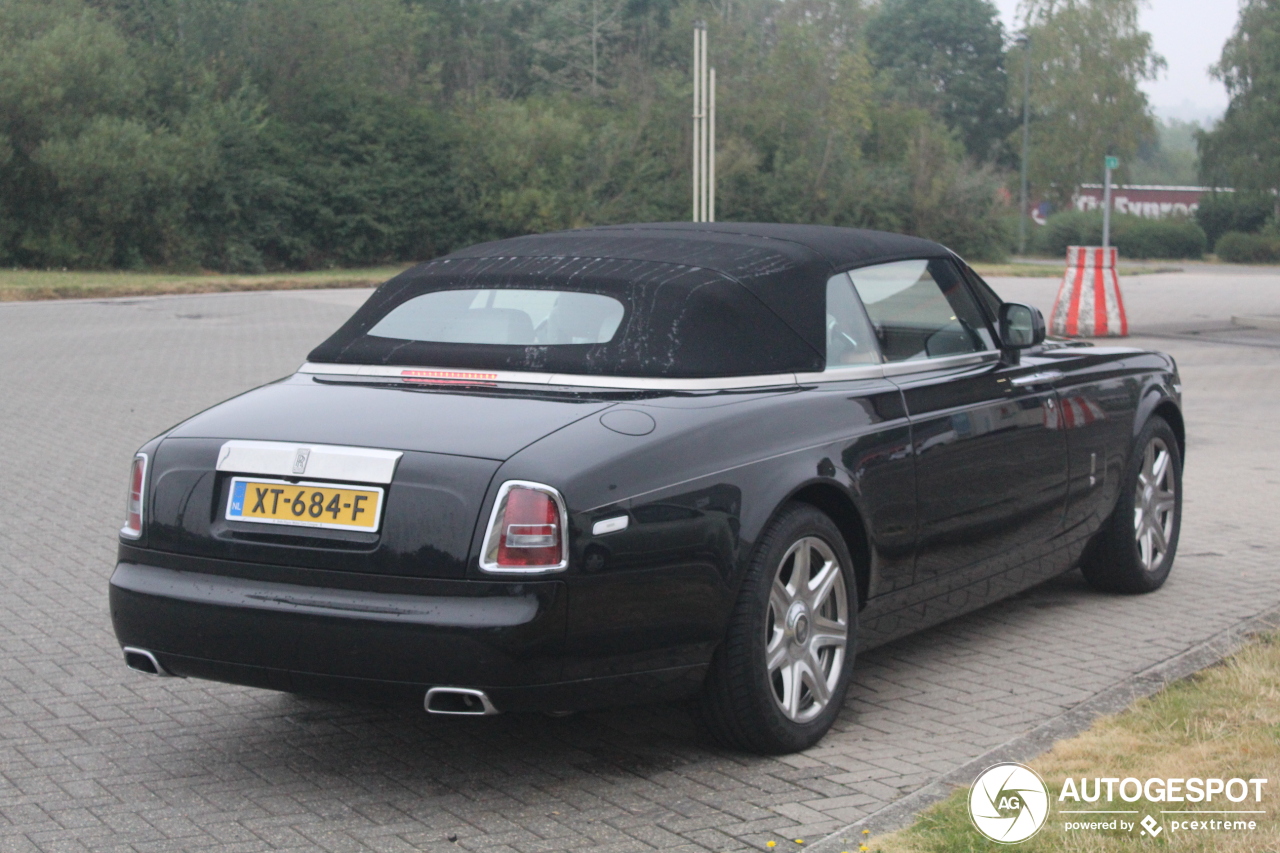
[1268, 322]
[1040, 739]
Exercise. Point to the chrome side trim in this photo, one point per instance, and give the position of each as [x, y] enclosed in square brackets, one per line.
[610, 525]
[1042, 378]
[488, 564]
[464, 693]
[321, 461]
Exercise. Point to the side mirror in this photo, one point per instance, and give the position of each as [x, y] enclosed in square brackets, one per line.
[1021, 326]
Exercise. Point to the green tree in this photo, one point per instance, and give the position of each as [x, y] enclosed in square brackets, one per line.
[1244, 148]
[1172, 159]
[948, 56]
[1087, 59]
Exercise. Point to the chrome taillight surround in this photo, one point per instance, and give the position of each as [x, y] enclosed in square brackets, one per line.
[136, 502]
[492, 535]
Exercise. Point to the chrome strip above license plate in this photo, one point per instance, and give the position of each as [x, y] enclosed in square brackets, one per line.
[323, 461]
[282, 493]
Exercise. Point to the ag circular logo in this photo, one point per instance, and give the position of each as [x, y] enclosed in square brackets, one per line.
[1008, 803]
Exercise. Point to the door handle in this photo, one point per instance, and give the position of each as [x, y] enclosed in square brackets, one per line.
[1042, 378]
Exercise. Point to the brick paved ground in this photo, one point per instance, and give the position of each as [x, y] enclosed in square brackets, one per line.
[93, 756]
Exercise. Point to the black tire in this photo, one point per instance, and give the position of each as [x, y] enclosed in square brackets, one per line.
[742, 703]
[1118, 559]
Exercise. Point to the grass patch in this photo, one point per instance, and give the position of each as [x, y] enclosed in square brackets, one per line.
[1223, 722]
[25, 285]
[1016, 270]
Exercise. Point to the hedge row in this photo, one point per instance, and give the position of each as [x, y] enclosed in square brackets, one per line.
[1133, 236]
[1220, 212]
[1239, 248]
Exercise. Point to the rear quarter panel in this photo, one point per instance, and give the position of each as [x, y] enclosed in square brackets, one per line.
[698, 491]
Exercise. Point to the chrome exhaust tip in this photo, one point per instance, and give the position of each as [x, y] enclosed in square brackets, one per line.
[141, 660]
[458, 701]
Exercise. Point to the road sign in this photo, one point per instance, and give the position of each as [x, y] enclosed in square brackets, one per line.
[1113, 162]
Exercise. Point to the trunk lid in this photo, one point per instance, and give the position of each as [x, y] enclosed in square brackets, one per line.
[305, 409]
[452, 443]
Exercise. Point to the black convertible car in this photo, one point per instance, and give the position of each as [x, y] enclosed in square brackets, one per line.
[646, 462]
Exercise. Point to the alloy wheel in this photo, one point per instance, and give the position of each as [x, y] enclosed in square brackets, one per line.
[807, 630]
[1155, 502]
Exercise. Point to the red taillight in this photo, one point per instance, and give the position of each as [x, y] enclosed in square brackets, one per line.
[525, 532]
[133, 509]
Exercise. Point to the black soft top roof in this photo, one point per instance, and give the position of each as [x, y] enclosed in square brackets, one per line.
[704, 267]
[737, 249]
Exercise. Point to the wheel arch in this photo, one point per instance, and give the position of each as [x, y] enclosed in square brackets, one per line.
[839, 507]
[1172, 415]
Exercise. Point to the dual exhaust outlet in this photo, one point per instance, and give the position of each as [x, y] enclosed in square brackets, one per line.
[454, 701]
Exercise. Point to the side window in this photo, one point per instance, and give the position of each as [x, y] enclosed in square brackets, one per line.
[986, 295]
[921, 309]
[850, 339]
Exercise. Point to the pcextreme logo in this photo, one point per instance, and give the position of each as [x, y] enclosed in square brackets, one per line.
[1008, 803]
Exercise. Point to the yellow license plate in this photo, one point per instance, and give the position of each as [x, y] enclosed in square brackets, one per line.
[305, 504]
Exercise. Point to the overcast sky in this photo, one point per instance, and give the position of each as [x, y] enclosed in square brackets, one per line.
[1189, 34]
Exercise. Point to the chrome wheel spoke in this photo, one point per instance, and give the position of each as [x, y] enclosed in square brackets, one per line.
[811, 674]
[828, 632]
[793, 685]
[1157, 537]
[800, 574]
[776, 655]
[780, 599]
[820, 587]
[1160, 468]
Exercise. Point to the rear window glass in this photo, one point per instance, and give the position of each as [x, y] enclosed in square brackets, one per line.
[571, 315]
[507, 316]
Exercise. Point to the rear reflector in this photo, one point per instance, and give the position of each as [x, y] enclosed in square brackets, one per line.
[133, 507]
[526, 531]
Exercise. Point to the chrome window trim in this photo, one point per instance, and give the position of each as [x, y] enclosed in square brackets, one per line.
[451, 375]
[715, 383]
[499, 503]
[842, 374]
[641, 383]
[924, 365]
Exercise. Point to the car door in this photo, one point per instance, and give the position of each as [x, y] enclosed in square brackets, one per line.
[990, 460]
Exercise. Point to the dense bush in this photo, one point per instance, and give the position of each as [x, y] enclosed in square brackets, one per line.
[1239, 248]
[268, 134]
[1133, 236]
[1239, 211]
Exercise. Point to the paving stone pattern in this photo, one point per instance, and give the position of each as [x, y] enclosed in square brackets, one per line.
[96, 757]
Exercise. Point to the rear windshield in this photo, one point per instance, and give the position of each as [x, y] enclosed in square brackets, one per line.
[571, 315]
[513, 317]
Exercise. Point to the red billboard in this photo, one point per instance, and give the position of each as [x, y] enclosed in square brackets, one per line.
[1152, 202]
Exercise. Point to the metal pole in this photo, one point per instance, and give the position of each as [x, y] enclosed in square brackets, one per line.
[1026, 142]
[711, 149]
[1106, 208]
[697, 127]
[702, 139]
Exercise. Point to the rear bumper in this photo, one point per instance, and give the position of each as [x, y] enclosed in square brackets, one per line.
[331, 633]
